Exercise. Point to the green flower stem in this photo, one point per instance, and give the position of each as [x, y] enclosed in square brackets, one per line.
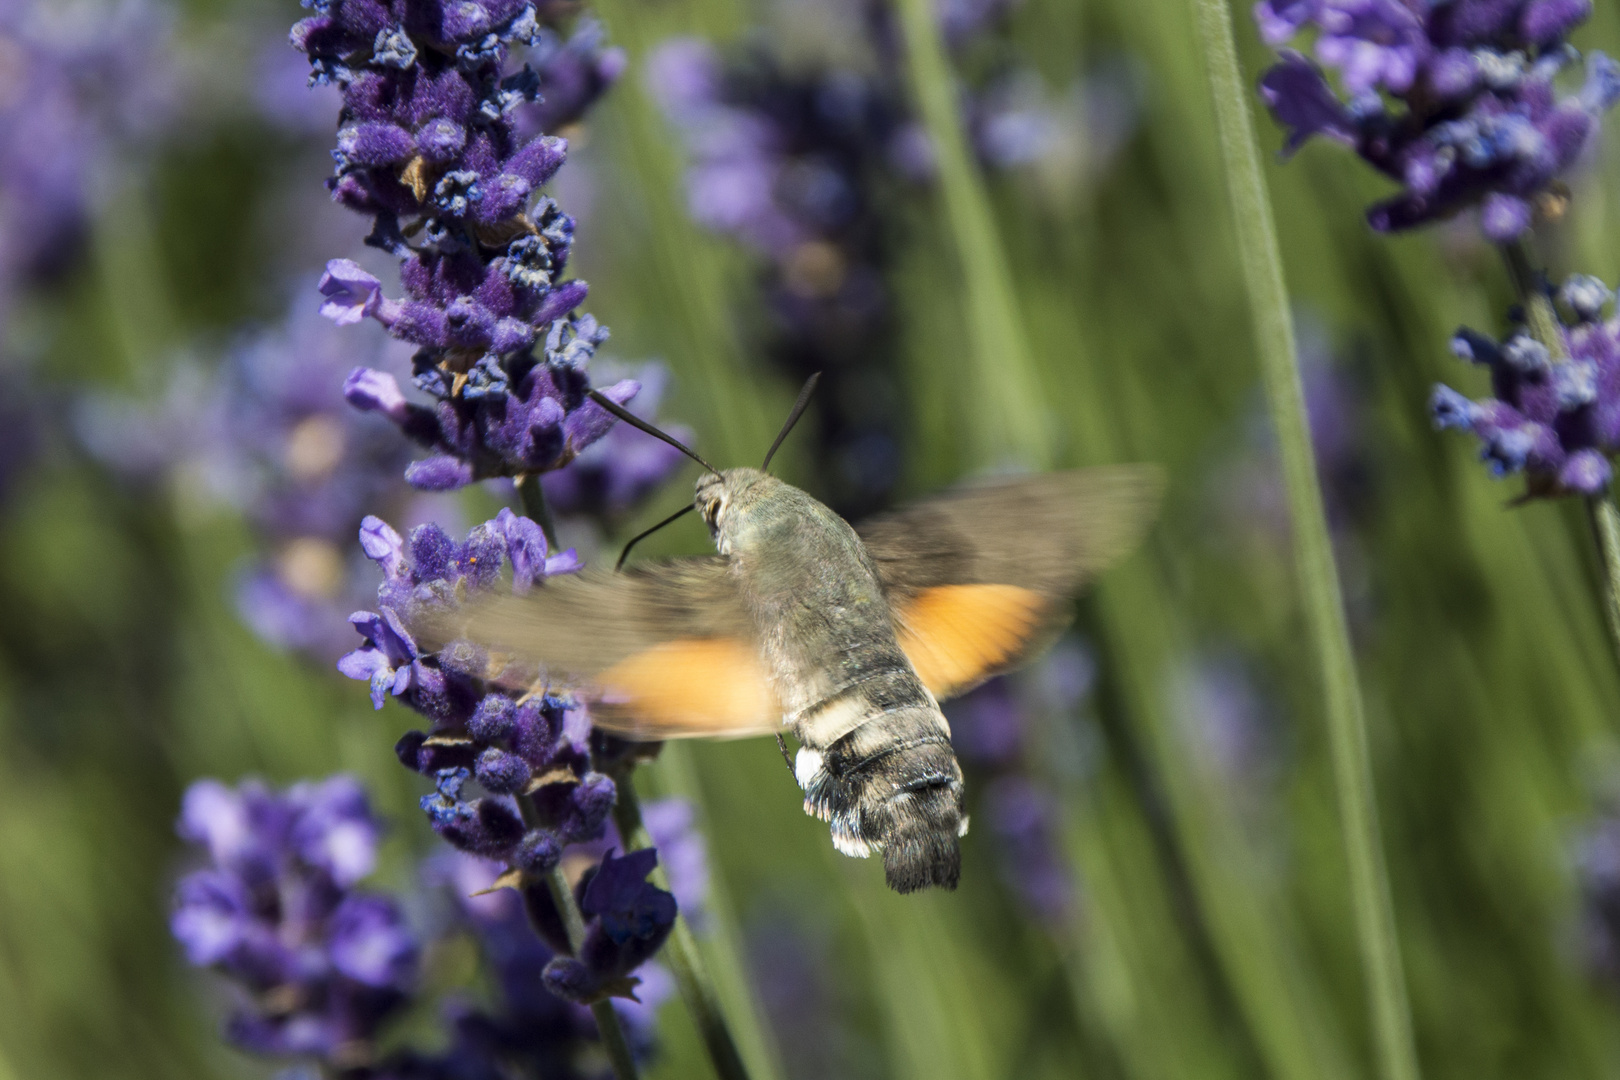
[676, 775]
[691, 975]
[1605, 519]
[1005, 379]
[533, 501]
[1600, 509]
[1319, 579]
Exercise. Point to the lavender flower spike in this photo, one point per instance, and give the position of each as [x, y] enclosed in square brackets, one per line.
[321, 966]
[430, 149]
[1557, 423]
[1456, 102]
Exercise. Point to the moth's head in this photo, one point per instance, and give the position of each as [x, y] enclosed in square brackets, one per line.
[724, 499]
[722, 495]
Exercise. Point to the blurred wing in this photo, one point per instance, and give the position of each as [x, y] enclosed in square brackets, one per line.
[980, 578]
[663, 650]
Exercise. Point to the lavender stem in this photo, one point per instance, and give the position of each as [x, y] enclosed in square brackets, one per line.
[1601, 513]
[1014, 414]
[532, 500]
[1261, 263]
[1605, 519]
[691, 975]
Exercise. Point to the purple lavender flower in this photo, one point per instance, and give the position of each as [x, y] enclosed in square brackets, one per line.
[1456, 102]
[627, 919]
[792, 164]
[682, 853]
[268, 435]
[990, 730]
[531, 746]
[1555, 421]
[1024, 818]
[573, 75]
[802, 993]
[429, 148]
[802, 163]
[1225, 719]
[527, 1022]
[321, 965]
[1596, 858]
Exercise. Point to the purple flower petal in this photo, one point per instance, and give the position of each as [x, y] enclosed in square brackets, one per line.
[1299, 98]
[442, 473]
[590, 421]
[375, 391]
[383, 546]
[351, 293]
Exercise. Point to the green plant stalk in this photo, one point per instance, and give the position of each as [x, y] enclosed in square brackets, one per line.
[1600, 509]
[697, 991]
[1007, 388]
[1319, 579]
[1605, 519]
[532, 498]
[698, 324]
[675, 774]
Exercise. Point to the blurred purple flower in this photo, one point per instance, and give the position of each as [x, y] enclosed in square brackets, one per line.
[790, 164]
[1456, 102]
[1023, 817]
[1557, 422]
[800, 162]
[269, 435]
[682, 853]
[990, 729]
[321, 966]
[573, 75]
[1225, 719]
[1596, 858]
[81, 98]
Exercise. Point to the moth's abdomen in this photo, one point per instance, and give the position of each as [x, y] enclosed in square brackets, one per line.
[877, 765]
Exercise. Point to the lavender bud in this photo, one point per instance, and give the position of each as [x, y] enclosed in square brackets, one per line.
[501, 772]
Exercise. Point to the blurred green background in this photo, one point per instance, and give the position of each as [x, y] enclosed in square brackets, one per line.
[1213, 936]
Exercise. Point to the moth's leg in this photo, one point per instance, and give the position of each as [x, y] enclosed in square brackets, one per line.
[781, 744]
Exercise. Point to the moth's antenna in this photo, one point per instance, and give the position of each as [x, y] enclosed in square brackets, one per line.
[637, 422]
[640, 536]
[793, 417]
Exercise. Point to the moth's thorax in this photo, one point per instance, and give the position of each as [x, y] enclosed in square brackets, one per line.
[818, 607]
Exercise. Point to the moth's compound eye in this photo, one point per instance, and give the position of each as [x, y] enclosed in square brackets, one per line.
[714, 508]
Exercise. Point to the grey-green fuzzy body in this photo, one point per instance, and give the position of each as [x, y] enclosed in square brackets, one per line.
[875, 760]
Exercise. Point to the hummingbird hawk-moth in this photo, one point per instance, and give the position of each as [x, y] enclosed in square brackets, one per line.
[847, 636]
